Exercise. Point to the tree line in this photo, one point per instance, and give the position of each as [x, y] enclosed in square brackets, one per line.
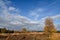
[4, 30]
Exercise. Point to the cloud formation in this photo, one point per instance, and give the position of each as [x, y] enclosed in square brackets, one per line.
[11, 8]
[13, 21]
[36, 13]
[17, 22]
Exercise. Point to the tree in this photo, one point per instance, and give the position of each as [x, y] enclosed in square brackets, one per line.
[49, 28]
[3, 30]
[24, 30]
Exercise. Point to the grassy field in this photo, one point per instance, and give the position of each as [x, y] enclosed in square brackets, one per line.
[28, 36]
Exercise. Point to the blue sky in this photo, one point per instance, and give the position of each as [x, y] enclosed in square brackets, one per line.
[30, 14]
[42, 8]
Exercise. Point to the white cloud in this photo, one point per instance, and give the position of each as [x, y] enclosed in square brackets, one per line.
[13, 21]
[40, 10]
[12, 8]
[53, 17]
[56, 17]
[36, 17]
[17, 22]
[36, 13]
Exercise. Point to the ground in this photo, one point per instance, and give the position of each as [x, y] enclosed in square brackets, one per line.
[28, 36]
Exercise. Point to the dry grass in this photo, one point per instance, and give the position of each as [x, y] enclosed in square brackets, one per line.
[28, 36]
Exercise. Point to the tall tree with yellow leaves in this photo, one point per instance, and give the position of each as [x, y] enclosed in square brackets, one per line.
[49, 28]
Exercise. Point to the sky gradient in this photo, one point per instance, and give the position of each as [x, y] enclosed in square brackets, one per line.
[30, 14]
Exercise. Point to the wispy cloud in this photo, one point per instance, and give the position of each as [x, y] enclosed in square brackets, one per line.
[36, 13]
[12, 8]
[13, 21]
[17, 22]
[56, 17]
[52, 4]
